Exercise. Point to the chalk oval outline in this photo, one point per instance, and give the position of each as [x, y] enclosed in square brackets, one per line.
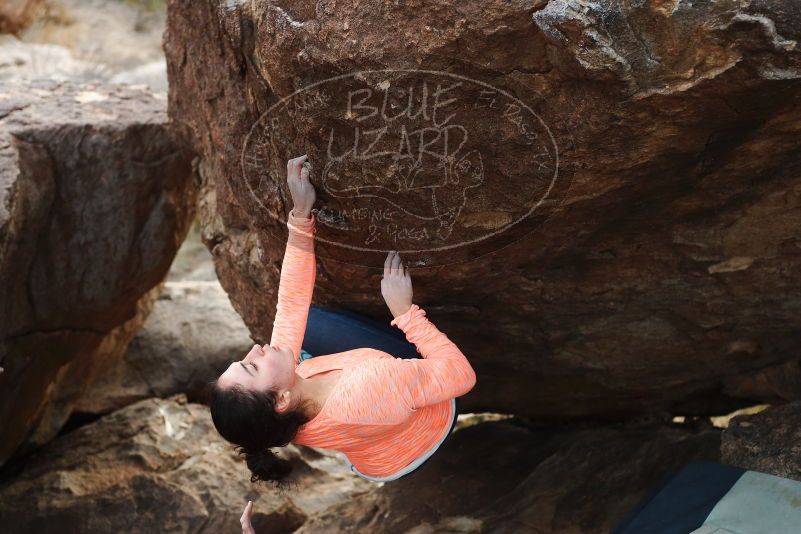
[423, 71]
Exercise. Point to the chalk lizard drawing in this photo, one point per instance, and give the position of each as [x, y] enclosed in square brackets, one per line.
[410, 185]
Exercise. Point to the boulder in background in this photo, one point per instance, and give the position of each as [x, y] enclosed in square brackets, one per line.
[95, 199]
[160, 466]
[189, 339]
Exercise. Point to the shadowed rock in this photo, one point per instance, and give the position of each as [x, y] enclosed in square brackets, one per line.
[502, 477]
[95, 198]
[769, 441]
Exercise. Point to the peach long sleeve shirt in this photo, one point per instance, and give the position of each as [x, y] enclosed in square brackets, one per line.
[384, 412]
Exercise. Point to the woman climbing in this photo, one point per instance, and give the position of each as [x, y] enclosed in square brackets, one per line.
[385, 398]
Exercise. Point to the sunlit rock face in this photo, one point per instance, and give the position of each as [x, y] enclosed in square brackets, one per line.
[600, 201]
[95, 198]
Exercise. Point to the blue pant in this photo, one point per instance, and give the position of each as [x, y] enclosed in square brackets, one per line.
[330, 330]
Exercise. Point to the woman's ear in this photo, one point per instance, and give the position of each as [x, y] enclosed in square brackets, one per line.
[282, 401]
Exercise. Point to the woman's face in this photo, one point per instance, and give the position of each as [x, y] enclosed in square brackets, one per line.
[264, 368]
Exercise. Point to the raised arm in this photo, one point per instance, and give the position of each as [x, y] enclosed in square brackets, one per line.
[444, 372]
[298, 270]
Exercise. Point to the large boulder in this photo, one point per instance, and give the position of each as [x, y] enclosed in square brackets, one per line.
[95, 199]
[604, 216]
[503, 477]
[160, 466]
[189, 338]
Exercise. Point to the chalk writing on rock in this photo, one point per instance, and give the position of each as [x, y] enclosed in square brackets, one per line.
[405, 160]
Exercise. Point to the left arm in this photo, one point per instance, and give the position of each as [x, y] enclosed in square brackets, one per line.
[443, 372]
[299, 269]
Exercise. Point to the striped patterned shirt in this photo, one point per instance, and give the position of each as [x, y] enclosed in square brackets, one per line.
[384, 413]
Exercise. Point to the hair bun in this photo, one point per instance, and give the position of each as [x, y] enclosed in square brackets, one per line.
[266, 465]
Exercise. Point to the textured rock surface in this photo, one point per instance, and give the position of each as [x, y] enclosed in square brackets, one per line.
[190, 338]
[661, 273]
[500, 477]
[774, 385]
[95, 199]
[769, 441]
[159, 466]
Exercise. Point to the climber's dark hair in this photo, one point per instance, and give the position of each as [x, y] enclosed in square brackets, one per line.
[248, 419]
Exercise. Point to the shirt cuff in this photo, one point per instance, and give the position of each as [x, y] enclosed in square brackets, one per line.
[300, 225]
[403, 320]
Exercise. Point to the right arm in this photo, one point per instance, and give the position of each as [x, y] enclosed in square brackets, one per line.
[295, 286]
[298, 270]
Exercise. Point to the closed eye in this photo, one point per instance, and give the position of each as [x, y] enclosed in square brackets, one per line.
[251, 363]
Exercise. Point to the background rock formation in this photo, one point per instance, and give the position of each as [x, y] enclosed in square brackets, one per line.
[159, 466]
[190, 337]
[664, 271]
[95, 199]
[769, 442]
[503, 477]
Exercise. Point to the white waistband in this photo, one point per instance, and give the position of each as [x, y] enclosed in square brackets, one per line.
[415, 464]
